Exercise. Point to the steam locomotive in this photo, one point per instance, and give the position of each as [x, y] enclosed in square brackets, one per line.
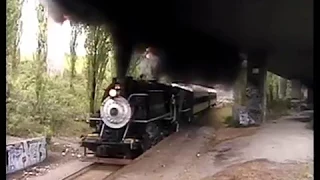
[136, 114]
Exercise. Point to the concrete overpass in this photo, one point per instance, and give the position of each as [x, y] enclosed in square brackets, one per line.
[283, 30]
[202, 39]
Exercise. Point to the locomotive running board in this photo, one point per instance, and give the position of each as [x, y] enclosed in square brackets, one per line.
[111, 161]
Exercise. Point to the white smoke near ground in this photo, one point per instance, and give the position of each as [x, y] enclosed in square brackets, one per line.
[225, 95]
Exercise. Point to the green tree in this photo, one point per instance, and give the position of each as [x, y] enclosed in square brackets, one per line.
[273, 87]
[40, 58]
[98, 46]
[40, 104]
[13, 33]
[277, 104]
[283, 88]
[75, 31]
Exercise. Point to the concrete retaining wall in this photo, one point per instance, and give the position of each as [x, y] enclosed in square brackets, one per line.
[25, 153]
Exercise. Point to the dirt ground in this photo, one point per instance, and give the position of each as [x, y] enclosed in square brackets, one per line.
[263, 169]
[279, 150]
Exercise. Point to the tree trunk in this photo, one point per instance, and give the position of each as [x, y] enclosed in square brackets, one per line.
[93, 93]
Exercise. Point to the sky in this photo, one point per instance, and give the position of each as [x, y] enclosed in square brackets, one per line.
[58, 35]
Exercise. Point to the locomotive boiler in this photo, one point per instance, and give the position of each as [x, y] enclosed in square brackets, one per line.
[136, 114]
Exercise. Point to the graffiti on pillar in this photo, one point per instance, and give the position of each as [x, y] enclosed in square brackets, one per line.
[244, 118]
[255, 102]
[25, 153]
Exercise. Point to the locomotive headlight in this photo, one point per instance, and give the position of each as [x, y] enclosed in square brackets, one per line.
[112, 92]
[115, 112]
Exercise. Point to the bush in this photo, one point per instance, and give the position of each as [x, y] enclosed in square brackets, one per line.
[277, 108]
[228, 120]
[44, 109]
[231, 122]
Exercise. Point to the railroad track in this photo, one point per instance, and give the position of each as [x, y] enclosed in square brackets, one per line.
[102, 168]
[94, 171]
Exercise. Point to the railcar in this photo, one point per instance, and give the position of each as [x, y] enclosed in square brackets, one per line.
[135, 115]
[194, 99]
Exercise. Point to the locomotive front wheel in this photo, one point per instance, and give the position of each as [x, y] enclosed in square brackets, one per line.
[146, 143]
[152, 136]
[101, 152]
[189, 117]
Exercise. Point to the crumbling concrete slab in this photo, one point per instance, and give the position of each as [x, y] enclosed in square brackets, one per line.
[23, 153]
[12, 139]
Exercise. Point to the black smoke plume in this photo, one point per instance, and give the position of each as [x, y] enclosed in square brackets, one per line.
[186, 54]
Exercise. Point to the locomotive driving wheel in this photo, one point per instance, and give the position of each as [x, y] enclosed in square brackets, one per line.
[151, 136]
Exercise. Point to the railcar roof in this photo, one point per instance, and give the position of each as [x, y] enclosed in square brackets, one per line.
[193, 87]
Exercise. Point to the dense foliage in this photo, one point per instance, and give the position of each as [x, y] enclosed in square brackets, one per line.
[41, 101]
[13, 34]
[54, 113]
[39, 104]
[277, 95]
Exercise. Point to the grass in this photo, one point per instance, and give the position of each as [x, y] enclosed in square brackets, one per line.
[218, 116]
[74, 129]
[277, 108]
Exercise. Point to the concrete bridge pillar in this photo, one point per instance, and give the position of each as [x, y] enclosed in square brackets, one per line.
[296, 89]
[255, 88]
